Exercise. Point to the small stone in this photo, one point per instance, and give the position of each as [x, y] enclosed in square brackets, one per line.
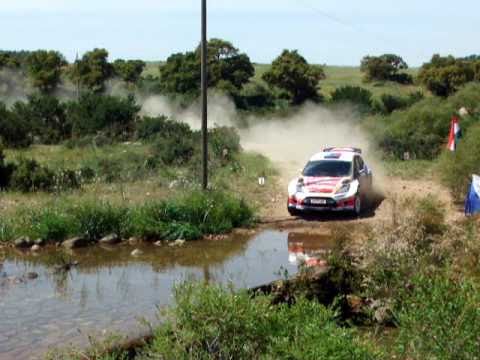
[75, 243]
[39, 242]
[31, 275]
[137, 252]
[133, 241]
[111, 239]
[158, 243]
[23, 242]
[35, 247]
[178, 242]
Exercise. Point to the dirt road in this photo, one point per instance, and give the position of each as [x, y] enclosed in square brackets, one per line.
[394, 191]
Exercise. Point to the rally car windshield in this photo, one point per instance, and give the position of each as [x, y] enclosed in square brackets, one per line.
[328, 168]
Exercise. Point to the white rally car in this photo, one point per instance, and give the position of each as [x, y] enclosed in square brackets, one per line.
[335, 179]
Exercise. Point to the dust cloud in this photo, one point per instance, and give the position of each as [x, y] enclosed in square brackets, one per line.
[288, 141]
[13, 87]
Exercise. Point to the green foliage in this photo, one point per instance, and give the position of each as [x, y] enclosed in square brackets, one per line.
[46, 116]
[93, 113]
[292, 73]
[422, 129]
[129, 70]
[96, 220]
[92, 70]
[209, 322]
[51, 225]
[390, 103]
[188, 216]
[6, 170]
[15, 131]
[45, 68]
[456, 168]
[228, 69]
[353, 94]
[224, 142]
[30, 176]
[448, 308]
[9, 60]
[385, 68]
[254, 97]
[176, 150]
[445, 75]
[151, 127]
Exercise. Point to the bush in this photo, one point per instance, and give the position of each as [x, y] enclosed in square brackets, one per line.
[96, 220]
[30, 176]
[449, 309]
[190, 216]
[209, 322]
[15, 131]
[224, 142]
[151, 127]
[52, 225]
[456, 168]
[354, 95]
[390, 103]
[92, 113]
[174, 150]
[6, 171]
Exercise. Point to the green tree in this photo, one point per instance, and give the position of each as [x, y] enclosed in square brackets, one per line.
[93, 113]
[292, 73]
[8, 61]
[445, 75]
[45, 69]
[129, 70]
[15, 131]
[386, 67]
[228, 69]
[92, 70]
[46, 117]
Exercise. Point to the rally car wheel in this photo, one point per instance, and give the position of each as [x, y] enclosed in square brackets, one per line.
[358, 205]
[293, 212]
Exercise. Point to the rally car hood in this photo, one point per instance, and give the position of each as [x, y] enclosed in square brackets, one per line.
[323, 184]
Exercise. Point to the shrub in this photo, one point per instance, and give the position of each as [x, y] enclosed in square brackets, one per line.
[49, 224]
[224, 142]
[174, 150]
[456, 168]
[92, 113]
[6, 171]
[30, 176]
[354, 95]
[448, 308]
[209, 322]
[6, 231]
[15, 131]
[390, 103]
[96, 220]
[150, 127]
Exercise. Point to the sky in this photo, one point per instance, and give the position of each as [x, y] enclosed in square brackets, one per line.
[336, 32]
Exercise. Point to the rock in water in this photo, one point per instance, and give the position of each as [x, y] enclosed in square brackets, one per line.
[23, 242]
[35, 248]
[137, 252]
[178, 242]
[111, 239]
[75, 243]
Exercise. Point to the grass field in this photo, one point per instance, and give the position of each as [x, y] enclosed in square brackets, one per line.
[337, 76]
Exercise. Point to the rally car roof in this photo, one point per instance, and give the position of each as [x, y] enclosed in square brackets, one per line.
[336, 154]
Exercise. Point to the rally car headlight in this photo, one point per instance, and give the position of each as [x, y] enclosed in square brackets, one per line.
[344, 189]
[300, 186]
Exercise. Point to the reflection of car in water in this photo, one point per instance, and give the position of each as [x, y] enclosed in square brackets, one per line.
[336, 179]
[307, 250]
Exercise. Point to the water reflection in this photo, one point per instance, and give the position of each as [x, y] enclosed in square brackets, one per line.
[308, 250]
[110, 289]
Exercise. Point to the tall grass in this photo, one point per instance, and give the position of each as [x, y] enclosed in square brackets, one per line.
[188, 216]
[209, 322]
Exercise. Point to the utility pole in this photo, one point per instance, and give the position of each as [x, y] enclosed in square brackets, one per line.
[204, 97]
